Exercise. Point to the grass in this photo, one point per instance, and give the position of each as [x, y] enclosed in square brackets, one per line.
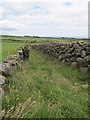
[8, 45]
[46, 89]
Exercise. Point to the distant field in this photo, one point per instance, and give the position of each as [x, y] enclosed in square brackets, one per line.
[38, 40]
[11, 46]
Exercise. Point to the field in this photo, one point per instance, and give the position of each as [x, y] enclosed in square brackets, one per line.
[45, 88]
[39, 39]
[8, 45]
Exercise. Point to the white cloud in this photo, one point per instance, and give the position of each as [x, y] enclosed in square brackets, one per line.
[50, 18]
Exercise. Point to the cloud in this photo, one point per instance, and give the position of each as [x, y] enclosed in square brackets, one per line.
[47, 18]
[8, 29]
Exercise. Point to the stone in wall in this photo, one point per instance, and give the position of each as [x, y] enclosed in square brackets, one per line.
[76, 54]
[2, 79]
[5, 69]
[26, 52]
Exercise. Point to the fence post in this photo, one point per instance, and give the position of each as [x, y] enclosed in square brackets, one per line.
[8, 54]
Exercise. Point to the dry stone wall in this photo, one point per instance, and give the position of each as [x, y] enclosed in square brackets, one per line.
[9, 64]
[77, 54]
[6, 67]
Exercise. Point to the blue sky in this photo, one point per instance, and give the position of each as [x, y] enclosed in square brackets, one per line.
[68, 18]
[68, 4]
[36, 7]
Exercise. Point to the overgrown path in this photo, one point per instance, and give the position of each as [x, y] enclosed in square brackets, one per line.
[46, 88]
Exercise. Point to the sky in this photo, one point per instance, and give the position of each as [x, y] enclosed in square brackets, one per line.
[53, 18]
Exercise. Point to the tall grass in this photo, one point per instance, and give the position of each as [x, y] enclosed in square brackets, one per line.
[46, 89]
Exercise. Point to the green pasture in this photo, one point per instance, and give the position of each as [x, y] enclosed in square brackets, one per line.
[39, 39]
[8, 45]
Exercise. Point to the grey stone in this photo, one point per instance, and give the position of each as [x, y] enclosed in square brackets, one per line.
[63, 61]
[6, 60]
[73, 59]
[11, 57]
[81, 43]
[2, 80]
[68, 60]
[71, 50]
[88, 50]
[86, 58]
[80, 61]
[20, 52]
[89, 68]
[85, 62]
[77, 55]
[6, 69]
[74, 64]
[61, 57]
[12, 62]
[83, 53]
[16, 56]
[76, 46]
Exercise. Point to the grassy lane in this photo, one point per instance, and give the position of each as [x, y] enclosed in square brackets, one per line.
[46, 88]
